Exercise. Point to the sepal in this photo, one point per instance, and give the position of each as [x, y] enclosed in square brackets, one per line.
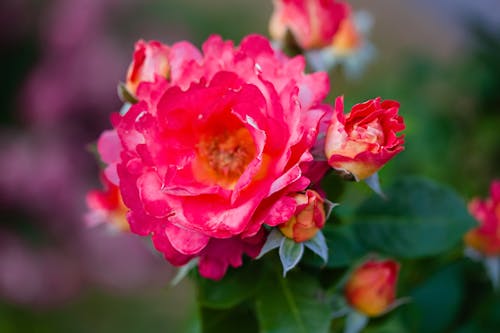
[355, 322]
[290, 254]
[183, 271]
[125, 95]
[373, 182]
[274, 240]
[318, 246]
[329, 206]
[492, 265]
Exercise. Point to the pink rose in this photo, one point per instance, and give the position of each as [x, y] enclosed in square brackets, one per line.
[486, 237]
[360, 143]
[150, 59]
[212, 153]
[308, 219]
[312, 23]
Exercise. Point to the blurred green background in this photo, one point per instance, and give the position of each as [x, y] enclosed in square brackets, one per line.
[61, 60]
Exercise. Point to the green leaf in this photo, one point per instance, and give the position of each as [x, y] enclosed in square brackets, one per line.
[387, 324]
[238, 285]
[485, 314]
[292, 305]
[418, 218]
[436, 302]
[344, 247]
[239, 319]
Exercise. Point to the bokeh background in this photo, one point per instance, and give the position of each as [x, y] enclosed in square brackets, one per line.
[60, 63]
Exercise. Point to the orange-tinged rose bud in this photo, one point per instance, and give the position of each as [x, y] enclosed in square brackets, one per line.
[347, 39]
[308, 219]
[371, 289]
[486, 237]
[312, 23]
[150, 59]
[359, 143]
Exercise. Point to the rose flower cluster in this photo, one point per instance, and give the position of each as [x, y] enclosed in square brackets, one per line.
[214, 148]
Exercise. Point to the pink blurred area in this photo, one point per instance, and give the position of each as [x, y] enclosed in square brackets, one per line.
[47, 254]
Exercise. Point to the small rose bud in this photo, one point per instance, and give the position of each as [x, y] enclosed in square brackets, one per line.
[107, 206]
[371, 289]
[359, 143]
[308, 219]
[486, 237]
[312, 23]
[347, 39]
[150, 59]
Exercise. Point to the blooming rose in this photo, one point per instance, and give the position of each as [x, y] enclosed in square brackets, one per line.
[371, 288]
[486, 237]
[360, 143]
[107, 206]
[150, 59]
[313, 23]
[308, 219]
[209, 155]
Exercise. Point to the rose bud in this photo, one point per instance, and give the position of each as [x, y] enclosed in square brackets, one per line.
[107, 206]
[486, 237]
[312, 23]
[150, 60]
[358, 144]
[348, 38]
[371, 289]
[309, 217]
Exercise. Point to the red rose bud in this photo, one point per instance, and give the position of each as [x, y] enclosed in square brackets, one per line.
[371, 289]
[486, 237]
[360, 143]
[312, 23]
[150, 60]
[309, 217]
[107, 206]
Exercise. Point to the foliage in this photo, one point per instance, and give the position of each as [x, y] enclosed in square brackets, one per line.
[415, 209]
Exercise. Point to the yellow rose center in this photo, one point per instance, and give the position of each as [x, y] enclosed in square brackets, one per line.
[222, 157]
[370, 133]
